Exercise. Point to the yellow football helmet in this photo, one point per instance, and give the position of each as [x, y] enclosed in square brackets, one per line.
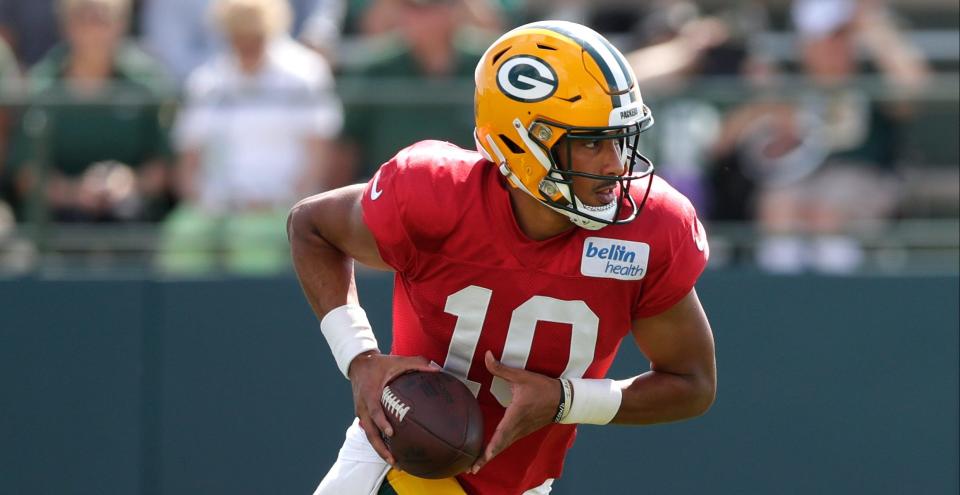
[550, 80]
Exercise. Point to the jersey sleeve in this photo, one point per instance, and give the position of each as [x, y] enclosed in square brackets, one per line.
[409, 205]
[679, 264]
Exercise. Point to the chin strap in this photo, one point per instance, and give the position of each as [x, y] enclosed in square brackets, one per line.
[605, 213]
[578, 220]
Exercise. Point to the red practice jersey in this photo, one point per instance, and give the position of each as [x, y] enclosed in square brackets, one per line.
[468, 280]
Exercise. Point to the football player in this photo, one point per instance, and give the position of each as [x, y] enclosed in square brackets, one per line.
[519, 268]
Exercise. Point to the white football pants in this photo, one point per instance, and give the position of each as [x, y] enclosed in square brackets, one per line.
[359, 470]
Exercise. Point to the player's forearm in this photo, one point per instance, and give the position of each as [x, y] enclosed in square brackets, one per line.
[320, 229]
[661, 397]
[325, 272]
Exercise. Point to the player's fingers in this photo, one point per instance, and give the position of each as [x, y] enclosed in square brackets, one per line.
[379, 419]
[392, 373]
[502, 437]
[421, 363]
[496, 367]
[481, 461]
[373, 436]
[493, 448]
[478, 465]
[406, 364]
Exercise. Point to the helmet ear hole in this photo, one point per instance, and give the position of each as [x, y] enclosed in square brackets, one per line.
[514, 148]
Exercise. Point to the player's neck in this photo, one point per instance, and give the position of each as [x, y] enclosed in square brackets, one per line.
[536, 220]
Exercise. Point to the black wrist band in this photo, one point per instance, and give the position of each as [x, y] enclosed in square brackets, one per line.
[561, 406]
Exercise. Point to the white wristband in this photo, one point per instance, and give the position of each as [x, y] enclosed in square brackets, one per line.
[594, 401]
[348, 334]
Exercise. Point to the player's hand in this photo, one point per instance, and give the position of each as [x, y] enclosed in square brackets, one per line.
[369, 373]
[534, 405]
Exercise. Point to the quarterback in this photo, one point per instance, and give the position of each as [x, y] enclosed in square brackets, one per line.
[519, 268]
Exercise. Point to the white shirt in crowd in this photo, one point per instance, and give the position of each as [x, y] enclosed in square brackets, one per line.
[252, 130]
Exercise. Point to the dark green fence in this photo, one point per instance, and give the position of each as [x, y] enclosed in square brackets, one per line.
[827, 385]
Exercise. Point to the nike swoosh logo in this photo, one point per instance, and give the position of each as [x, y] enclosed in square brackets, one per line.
[374, 192]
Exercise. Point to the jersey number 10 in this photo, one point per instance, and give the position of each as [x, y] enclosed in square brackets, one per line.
[470, 305]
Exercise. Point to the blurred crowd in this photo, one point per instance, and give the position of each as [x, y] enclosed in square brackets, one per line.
[210, 118]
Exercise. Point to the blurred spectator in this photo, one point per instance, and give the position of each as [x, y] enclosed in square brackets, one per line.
[681, 45]
[179, 33]
[383, 17]
[319, 25]
[686, 48]
[426, 55]
[828, 163]
[563, 10]
[614, 18]
[92, 144]
[30, 27]
[9, 94]
[253, 139]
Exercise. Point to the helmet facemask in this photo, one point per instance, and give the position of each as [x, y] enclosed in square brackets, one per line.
[556, 188]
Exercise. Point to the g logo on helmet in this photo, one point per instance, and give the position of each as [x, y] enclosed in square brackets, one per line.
[527, 78]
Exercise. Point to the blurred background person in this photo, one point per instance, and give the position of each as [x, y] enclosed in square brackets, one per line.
[319, 25]
[30, 28]
[253, 138]
[93, 143]
[847, 140]
[179, 33]
[412, 83]
[680, 44]
[683, 47]
[376, 17]
[9, 94]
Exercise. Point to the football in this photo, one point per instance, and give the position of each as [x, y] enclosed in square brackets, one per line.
[437, 424]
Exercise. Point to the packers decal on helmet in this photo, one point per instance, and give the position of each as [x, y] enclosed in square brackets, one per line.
[527, 78]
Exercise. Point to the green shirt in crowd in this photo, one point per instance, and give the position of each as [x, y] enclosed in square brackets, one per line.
[123, 122]
[390, 105]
